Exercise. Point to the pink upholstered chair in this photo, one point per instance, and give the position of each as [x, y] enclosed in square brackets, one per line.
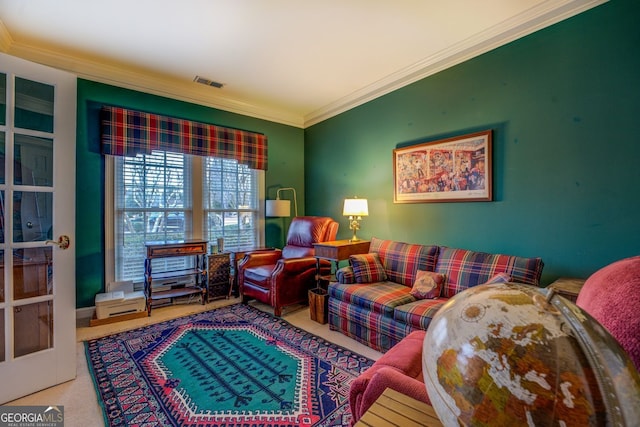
[283, 277]
[611, 295]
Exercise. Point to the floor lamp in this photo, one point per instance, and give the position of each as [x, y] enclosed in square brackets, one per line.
[281, 207]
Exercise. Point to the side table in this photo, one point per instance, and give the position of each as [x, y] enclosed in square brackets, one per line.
[337, 251]
[393, 408]
[568, 287]
[219, 281]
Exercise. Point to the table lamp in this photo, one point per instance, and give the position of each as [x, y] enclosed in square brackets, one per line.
[355, 209]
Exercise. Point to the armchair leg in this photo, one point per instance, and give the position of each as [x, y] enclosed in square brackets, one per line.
[245, 299]
[277, 311]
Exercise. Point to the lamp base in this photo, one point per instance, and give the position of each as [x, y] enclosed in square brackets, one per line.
[355, 226]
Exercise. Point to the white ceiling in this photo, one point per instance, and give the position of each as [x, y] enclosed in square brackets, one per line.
[296, 62]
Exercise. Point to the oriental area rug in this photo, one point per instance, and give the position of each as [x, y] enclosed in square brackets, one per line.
[232, 366]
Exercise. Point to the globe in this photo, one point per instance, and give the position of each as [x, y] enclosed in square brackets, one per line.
[510, 354]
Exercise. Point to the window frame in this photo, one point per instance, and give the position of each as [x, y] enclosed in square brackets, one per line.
[198, 212]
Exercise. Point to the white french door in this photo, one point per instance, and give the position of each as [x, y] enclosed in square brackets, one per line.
[37, 220]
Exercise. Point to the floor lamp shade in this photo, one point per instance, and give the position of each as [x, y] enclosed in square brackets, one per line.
[278, 208]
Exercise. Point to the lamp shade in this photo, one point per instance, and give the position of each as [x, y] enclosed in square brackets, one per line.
[278, 208]
[355, 207]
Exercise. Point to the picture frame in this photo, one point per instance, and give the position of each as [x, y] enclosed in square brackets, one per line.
[457, 169]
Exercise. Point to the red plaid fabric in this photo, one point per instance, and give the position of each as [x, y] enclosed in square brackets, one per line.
[128, 133]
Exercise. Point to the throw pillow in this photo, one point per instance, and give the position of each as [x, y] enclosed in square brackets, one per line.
[427, 285]
[367, 268]
[498, 278]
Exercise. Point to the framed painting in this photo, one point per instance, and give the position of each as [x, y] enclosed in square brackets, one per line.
[455, 169]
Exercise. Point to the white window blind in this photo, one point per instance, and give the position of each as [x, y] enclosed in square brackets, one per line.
[230, 203]
[153, 204]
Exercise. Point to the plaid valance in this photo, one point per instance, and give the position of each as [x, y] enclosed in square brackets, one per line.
[129, 132]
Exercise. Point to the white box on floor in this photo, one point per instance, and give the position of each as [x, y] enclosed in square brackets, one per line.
[117, 303]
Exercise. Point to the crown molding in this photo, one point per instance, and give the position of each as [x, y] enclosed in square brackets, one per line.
[5, 38]
[535, 19]
[147, 82]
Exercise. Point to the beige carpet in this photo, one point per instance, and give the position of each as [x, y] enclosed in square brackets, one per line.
[79, 398]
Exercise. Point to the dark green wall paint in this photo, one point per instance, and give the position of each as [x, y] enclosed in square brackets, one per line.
[564, 104]
[286, 169]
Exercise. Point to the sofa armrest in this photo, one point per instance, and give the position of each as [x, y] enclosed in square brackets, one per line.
[363, 395]
[345, 275]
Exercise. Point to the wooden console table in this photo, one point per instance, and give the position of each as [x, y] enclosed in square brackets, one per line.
[393, 408]
[197, 248]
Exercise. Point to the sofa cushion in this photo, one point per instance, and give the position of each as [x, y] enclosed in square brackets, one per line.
[418, 314]
[402, 260]
[380, 297]
[427, 284]
[367, 268]
[464, 269]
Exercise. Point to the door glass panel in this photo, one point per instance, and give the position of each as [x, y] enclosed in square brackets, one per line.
[3, 99]
[34, 105]
[33, 327]
[33, 160]
[32, 216]
[2, 277]
[1, 216]
[2, 357]
[32, 272]
[2, 148]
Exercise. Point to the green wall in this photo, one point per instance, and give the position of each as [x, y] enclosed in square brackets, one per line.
[286, 169]
[564, 104]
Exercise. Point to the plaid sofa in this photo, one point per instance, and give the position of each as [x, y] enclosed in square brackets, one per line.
[381, 313]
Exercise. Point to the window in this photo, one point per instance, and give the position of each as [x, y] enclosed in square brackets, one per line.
[166, 196]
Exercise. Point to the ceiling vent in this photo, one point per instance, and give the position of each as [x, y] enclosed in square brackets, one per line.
[207, 82]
